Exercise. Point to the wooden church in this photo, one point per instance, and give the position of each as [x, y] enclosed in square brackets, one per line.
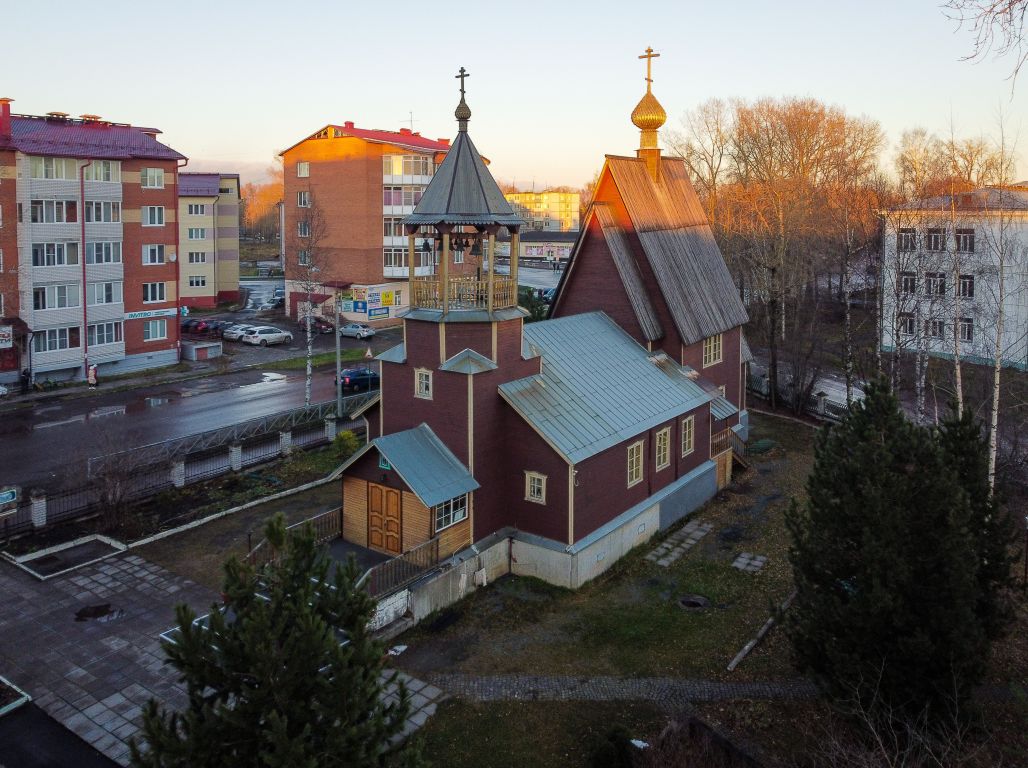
[577, 437]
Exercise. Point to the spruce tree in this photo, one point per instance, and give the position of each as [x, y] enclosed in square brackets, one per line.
[886, 568]
[285, 674]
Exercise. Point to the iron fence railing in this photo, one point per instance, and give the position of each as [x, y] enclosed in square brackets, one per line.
[385, 578]
[327, 526]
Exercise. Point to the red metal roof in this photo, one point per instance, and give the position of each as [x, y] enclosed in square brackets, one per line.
[402, 138]
[85, 138]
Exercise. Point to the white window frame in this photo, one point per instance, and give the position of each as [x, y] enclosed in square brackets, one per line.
[535, 487]
[112, 329]
[198, 257]
[303, 228]
[423, 383]
[55, 339]
[103, 212]
[303, 199]
[150, 289]
[103, 170]
[303, 169]
[151, 178]
[58, 296]
[965, 240]
[906, 323]
[196, 209]
[688, 435]
[966, 325]
[907, 283]
[450, 512]
[713, 350]
[303, 257]
[935, 284]
[196, 233]
[153, 254]
[96, 293]
[56, 254]
[110, 252]
[662, 449]
[52, 168]
[153, 327]
[636, 455]
[198, 281]
[965, 289]
[906, 240]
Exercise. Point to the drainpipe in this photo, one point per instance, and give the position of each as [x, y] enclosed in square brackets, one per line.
[82, 261]
[214, 231]
[178, 265]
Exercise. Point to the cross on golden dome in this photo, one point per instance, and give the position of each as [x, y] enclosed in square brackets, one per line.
[649, 56]
[648, 114]
[463, 111]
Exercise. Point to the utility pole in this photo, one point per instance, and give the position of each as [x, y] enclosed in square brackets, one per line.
[339, 362]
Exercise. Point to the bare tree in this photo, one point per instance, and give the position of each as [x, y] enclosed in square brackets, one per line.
[308, 253]
[997, 25]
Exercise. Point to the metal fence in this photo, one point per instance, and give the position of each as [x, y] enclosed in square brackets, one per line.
[819, 406]
[387, 577]
[327, 526]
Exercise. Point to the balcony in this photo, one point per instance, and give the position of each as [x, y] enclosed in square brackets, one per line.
[464, 293]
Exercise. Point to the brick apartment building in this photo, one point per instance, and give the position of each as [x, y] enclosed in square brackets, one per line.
[208, 210]
[88, 246]
[346, 192]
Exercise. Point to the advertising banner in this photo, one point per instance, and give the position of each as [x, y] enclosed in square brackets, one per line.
[6, 336]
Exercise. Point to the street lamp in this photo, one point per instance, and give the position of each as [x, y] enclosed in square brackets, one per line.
[339, 362]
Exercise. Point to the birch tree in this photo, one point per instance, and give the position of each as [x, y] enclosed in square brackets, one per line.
[309, 255]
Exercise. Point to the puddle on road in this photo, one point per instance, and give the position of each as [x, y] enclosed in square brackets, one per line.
[102, 613]
[267, 377]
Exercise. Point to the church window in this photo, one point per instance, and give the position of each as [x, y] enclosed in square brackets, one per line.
[688, 435]
[711, 350]
[450, 512]
[663, 451]
[635, 463]
[535, 487]
[423, 383]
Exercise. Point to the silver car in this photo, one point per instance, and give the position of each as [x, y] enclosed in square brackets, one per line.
[357, 330]
[235, 332]
[265, 335]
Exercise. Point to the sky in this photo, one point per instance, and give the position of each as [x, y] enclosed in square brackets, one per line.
[552, 84]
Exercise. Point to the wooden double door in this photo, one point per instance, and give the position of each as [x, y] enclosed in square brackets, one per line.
[384, 518]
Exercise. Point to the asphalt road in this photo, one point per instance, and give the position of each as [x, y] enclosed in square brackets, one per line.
[48, 445]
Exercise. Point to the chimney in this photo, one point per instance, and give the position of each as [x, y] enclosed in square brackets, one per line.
[405, 132]
[5, 118]
[444, 140]
[348, 124]
[90, 118]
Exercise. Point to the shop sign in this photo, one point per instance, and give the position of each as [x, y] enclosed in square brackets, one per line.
[148, 313]
[379, 312]
[360, 306]
[6, 336]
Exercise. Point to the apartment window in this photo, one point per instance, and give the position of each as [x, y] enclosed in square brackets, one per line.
[151, 178]
[153, 292]
[423, 384]
[103, 333]
[103, 170]
[711, 350]
[936, 329]
[197, 281]
[104, 293]
[54, 211]
[103, 212]
[52, 168]
[303, 258]
[458, 257]
[303, 170]
[197, 209]
[392, 226]
[966, 286]
[55, 254]
[55, 296]
[688, 435]
[535, 487]
[197, 257]
[196, 233]
[412, 195]
[154, 330]
[303, 199]
[935, 284]
[906, 240]
[153, 254]
[663, 449]
[935, 239]
[908, 283]
[451, 512]
[966, 329]
[635, 463]
[394, 257]
[103, 253]
[906, 324]
[392, 195]
[153, 215]
[407, 165]
[303, 229]
[225, 190]
[53, 339]
[965, 240]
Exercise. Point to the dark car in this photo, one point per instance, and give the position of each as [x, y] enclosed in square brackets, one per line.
[359, 379]
[195, 326]
[319, 325]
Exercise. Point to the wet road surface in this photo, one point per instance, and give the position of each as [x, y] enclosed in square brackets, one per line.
[49, 444]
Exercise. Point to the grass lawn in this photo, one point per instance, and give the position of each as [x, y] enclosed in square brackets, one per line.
[538, 734]
[318, 360]
[627, 622]
[251, 251]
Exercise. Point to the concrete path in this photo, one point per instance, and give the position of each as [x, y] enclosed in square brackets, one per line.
[86, 647]
[668, 692]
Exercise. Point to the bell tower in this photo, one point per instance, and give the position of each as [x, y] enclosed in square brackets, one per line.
[648, 116]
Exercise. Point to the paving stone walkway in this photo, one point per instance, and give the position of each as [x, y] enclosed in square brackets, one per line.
[668, 692]
[678, 543]
[86, 647]
[749, 562]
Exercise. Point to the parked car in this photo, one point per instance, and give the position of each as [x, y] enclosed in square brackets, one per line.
[195, 326]
[265, 335]
[357, 330]
[235, 332]
[280, 293]
[319, 325]
[359, 379]
[217, 326]
[549, 294]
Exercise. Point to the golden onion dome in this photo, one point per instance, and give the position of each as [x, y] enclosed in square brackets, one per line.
[648, 115]
[463, 111]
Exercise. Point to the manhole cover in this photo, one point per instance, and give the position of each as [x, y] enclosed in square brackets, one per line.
[693, 602]
[101, 613]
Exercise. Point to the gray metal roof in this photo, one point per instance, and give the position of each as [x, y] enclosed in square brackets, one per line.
[747, 353]
[463, 192]
[397, 354]
[621, 251]
[721, 408]
[468, 361]
[598, 387]
[424, 463]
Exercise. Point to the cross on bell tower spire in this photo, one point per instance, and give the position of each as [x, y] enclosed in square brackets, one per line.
[649, 56]
[463, 111]
[648, 116]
